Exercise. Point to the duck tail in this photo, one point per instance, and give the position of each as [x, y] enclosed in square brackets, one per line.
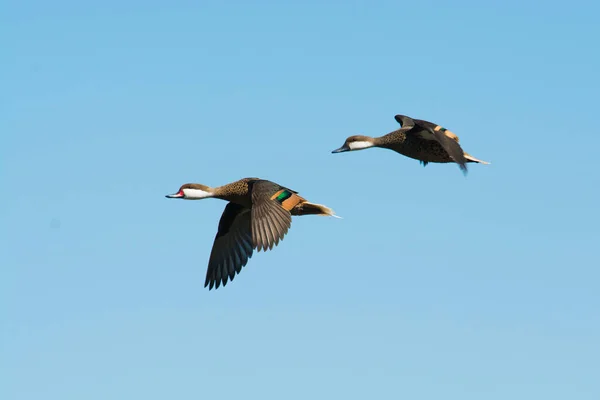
[475, 160]
[308, 208]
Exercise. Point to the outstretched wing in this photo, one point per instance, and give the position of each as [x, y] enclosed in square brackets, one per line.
[405, 122]
[232, 246]
[270, 221]
[430, 131]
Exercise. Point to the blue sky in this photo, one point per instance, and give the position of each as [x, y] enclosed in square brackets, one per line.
[432, 286]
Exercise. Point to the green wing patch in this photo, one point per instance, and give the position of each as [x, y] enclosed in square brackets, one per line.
[283, 195]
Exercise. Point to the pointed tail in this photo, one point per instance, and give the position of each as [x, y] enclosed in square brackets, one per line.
[473, 159]
[308, 208]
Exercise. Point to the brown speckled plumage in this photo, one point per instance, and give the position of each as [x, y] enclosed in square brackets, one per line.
[421, 140]
[258, 216]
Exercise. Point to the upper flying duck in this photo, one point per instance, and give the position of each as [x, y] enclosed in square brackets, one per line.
[418, 139]
[258, 216]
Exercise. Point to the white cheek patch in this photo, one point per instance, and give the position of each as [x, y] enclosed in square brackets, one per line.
[196, 193]
[359, 145]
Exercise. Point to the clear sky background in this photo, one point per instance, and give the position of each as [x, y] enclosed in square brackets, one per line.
[433, 286]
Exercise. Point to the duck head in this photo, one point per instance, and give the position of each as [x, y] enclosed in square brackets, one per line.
[356, 142]
[192, 191]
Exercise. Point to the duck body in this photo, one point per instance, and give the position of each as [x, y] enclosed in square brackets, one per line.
[417, 139]
[258, 216]
[414, 147]
[242, 192]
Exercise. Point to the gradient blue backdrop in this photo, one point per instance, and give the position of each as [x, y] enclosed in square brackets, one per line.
[433, 286]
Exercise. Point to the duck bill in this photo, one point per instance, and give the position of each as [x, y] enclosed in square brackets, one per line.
[341, 149]
[175, 196]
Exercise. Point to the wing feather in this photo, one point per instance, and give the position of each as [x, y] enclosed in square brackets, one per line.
[231, 248]
[430, 131]
[270, 221]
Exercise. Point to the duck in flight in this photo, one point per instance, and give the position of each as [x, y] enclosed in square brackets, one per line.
[257, 216]
[418, 139]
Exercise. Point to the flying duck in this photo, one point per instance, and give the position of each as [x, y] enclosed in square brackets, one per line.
[418, 139]
[257, 216]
